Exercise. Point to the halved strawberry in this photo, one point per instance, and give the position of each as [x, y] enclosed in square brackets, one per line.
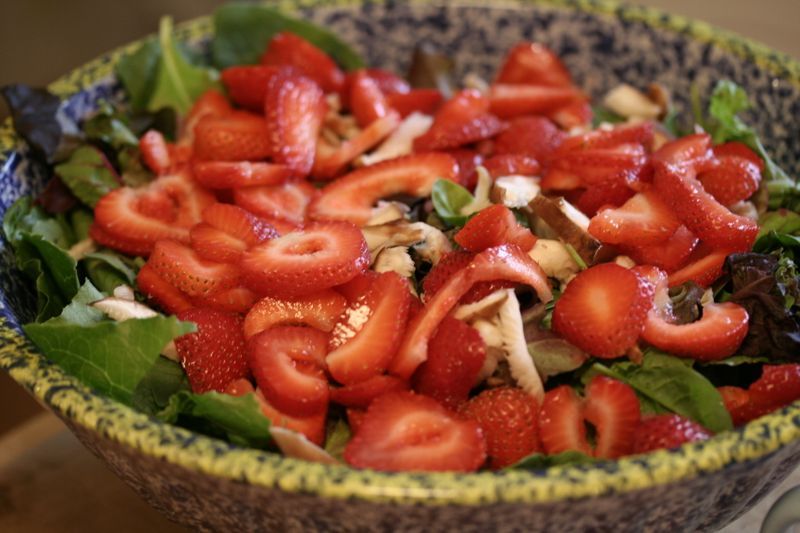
[211, 103]
[639, 133]
[508, 101]
[352, 196]
[320, 256]
[367, 335]
[779, 385]
[644, 219]
[666, 431]
[734, 179]
[287, 201]
[238, 136]
[463, 119]
[455, 357]
[294, 107]
[229, 174]
[409, 432]
[319, 310]
[703, 266]
[506, 262]
[669, 255]
[154, 152]
[533, 63]
[289, 49]
[424, 101]
[597, 165]
[511, 165]
[214, 355]
[509, 419]
[366, 100]
[493, 226]
[448, 265]
[161, 292]
[363, 393]
[247, 85]
[561, 425]
[738, 149]
[312, 426]
[181, 267]
[603, 310]
[534, 136]
[233, 300]
[287, 364]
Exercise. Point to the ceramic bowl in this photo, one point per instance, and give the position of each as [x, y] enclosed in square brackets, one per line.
[209, 484]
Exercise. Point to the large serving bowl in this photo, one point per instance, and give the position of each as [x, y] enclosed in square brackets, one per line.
[210, 484]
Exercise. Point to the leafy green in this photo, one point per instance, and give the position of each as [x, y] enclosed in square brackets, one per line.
[448, 200]
[137, 72]
[737, 360]
[675, 385]
[88, 174]
[165, 378]
[112, 357]
[237, 418]
[601, 114]
[553, 356]
[781, 221]
[108, 269]
[538, 461]
[110, 127]
[338, 436]
[242, 31]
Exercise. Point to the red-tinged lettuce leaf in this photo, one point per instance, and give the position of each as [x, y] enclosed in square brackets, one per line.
[88, 174]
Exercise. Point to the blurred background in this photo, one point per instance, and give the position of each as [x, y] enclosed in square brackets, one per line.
[42, 39]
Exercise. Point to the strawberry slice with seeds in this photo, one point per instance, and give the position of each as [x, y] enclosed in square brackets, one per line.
[122, 244]
[561, 425]
[494, 226]
[738, 149]
[287, 201]
[612, 192]
[613, 409]
[229, 174]
[740, 405]
[368, 333]
[533, 136]
[779, 385]
[506, 262]
[408, 432]
[285, 361]
[238, 136]
[455, 357]
[669, 255]
[468, 161]
[508, 101]
[312, 426]
[289, 49]
[602, 311]
[367, 102]
[353, 196]
[703, 266]
[161, 292]
[576, 114]
[463, 119]
[425, 101]
[644, 219]
[734, 179]
[665, 432]
[320, 256]
[363, 393]
[211, 103]
[596, 165]
[214, 355]
[388, 82]
[319, 310]
[449, 265]
[511, 165]
[640, 133]
[235, 300]
[154, 152]
[181, 267]
[533, 63]
[556, 179]
[238, 223]
[247, 85]
[295, 108]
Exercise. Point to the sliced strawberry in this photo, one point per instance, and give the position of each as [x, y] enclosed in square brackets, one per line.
[295, 108]
[639, 133]
[603, 310]
[455, 357]
[213, 244]
[468, 161]
[561, 425]
[287, 201]
[508, 418]
[448, 265]
[740, 406]
[312, 426]
[319, 310]
[703, 266]
[534, 136]
[234, 300]
[238, 136]
[358, 286]
[352, 196]
[779, 385]
[506, 262]
[362, 394]
[367, 335]
[463, 119]
[508, 101]
[181, 267]
[556, 179]
[494, 226]
[285, 361]
[247, 85]
[666, 431]
[154, 152]
[738, 149]
[644, 219]
[409, 432]
[512, 165]
[734, 179]
[320, 256]
[161, 292]
[613, 192]
[366, 100]
[289, 49]
[229, 175]
[669, 255]
[211, 103]
[214, 355]
[238, 223]
[576, 114]
[597, 165]
[533, 63]
[122, 244]
[239, 387]
[424, 101]
[388, 82]
[613, 409]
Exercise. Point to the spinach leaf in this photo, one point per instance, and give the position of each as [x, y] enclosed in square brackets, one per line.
[448, 200]
[737, 360]
[137, 72]
[674, 384]
[164, 379]
[34, 112]
[538, 461]
[107, 269]
[237, 418]
[111, 357]
[601, 114]
[338, 437]
[242, 31]
[88, 174]
[109, 127]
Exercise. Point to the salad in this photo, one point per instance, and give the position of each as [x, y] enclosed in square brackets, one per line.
[293, 251]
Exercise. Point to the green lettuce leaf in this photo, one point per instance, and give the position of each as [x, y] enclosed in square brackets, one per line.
[338, 435]
[242, 31]
[448, 199]
[108, 269]
[237, 418]
[88, 174]
[780, 221]
[538, 461]
[164, 379]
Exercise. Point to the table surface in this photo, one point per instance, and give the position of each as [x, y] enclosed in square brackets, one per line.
[41, 458]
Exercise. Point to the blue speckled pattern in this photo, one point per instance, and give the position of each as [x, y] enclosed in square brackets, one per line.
[211, 485]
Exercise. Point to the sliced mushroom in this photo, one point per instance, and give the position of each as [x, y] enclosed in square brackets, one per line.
[401, 141]
[473, 81]
[394, 259]
[124, 291]
[484, 308]
[297, 446]
[482, 192]
[79, 250]
[430, 243]
[386, 212]
[515, 191]
[631, 103]
[517, 356]
[555, 259]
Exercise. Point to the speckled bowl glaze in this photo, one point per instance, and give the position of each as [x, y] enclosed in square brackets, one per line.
[211, 485]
